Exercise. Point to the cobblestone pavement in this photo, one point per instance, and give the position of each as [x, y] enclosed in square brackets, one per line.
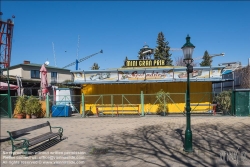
[131, 142]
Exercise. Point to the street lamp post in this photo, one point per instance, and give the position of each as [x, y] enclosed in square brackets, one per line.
[9, 98]
[188, 48]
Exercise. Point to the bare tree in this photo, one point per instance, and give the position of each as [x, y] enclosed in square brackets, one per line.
[244, 76]
[179, 62]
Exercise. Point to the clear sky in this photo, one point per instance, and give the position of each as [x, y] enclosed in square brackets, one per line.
[121, 28]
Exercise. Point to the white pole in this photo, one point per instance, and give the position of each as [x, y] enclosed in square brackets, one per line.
[54, 53]
[77, 51]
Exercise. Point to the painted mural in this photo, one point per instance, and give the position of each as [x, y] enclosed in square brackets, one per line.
[129, 75]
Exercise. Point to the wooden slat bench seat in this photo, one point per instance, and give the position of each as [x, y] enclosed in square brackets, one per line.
[203, 104]
[209, 105]
[24, 144]
[102, 109]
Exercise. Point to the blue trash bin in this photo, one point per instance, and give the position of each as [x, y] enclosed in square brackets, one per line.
[61, 111]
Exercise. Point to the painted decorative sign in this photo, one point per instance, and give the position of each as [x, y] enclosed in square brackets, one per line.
[149, 74]
[145, 75]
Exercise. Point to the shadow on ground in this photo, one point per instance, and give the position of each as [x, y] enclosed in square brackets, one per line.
[45, 146]
[162, 146]
[42, 147]
[5, 138]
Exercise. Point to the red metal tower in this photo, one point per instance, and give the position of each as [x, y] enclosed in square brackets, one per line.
[6, 34]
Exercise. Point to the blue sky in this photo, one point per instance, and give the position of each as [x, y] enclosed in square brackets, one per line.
[121, 29]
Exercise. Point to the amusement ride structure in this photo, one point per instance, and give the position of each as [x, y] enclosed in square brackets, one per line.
[81, 60]
[146, 52]
[6, 35]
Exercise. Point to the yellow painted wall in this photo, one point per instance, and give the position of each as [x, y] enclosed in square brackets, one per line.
[147, 88]
[176, 98]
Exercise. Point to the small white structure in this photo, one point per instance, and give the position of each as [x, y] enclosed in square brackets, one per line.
[63, 97]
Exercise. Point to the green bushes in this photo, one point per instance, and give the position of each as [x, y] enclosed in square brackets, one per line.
[224, 101]
[28, 105]
[162, 97]
[20, 104]
[33, 106]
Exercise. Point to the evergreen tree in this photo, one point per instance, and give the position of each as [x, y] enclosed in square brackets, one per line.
[207, 60]
[162, 50]
[126, 59]
[95, 67]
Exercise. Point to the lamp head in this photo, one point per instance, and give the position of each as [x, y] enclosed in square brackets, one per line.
[188, 49]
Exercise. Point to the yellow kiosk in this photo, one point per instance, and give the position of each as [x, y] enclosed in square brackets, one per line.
[135, 89]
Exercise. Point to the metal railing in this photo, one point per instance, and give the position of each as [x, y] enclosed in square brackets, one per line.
[119, 104]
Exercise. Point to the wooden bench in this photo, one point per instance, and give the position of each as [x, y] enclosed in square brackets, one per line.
[209, 105]
[24, 144]
[100, 108]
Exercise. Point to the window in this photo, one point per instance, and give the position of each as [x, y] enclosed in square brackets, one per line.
[35, 74]
[53, 76]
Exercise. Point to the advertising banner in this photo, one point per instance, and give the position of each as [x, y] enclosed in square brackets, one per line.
[146, 74]
[78, 76]
[149, 74]
[102, 76]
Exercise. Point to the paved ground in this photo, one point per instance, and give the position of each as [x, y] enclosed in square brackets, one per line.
[131, 142]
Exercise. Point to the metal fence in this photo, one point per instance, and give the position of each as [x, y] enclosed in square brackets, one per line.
[164, 104]
[4, 111]
[116, 104]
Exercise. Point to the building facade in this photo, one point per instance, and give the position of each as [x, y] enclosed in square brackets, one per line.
[29, 73]
[235, 76]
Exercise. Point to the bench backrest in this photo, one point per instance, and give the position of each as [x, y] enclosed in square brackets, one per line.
[25, 130]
